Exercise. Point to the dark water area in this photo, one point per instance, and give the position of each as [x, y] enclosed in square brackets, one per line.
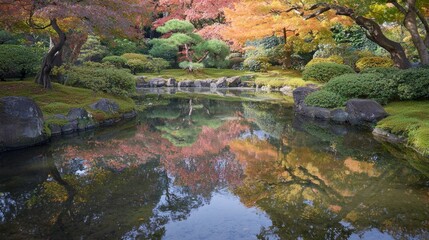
[199, 168]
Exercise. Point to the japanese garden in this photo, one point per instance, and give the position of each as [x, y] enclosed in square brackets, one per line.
[214, 119]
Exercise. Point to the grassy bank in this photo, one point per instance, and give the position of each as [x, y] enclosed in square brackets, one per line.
[60, 99]
[409, 119]
[275, 77]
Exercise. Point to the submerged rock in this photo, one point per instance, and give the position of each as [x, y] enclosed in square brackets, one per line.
[21, 123]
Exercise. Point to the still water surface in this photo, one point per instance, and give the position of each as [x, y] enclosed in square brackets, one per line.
[211, 169]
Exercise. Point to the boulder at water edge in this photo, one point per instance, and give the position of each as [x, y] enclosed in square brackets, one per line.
[363, 111]
[105, 105]
[21, 123]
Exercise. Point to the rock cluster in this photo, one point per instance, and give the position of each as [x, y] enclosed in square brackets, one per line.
[142, 82]
[356, 112]
[22, 123]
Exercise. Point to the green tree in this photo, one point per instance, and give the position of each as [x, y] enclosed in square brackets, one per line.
[92, 50]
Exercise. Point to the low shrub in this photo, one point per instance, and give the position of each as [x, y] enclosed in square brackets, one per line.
[369, 85]
[331, 59]
[191, 66]
[413, 84]
[387, 71]
[138, 62]
[159, 64]
[17, 61]
[373, 62]
[117, 61]
[323, 72]
[256, 64]
[100, 78]
[325, 99]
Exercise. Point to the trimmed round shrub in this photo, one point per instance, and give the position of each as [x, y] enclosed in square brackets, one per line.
[374, 62]
[159, 64]
[331, 59]
[370, 85]
[325, 99]
[413, 83]
[17, 61]
[323, 72]
[101, 77]
[257, 64]
[137, 65]
[117, 61]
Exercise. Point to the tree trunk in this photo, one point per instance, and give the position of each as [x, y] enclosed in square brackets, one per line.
[410, 22]
[43, 78]
[373, 31]
[375, 34]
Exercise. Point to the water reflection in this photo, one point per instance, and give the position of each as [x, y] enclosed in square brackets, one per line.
[194, 168]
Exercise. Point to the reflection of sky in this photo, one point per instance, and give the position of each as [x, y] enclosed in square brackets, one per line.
[226, 212]
[261, 135]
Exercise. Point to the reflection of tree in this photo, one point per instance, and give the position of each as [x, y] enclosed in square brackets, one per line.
[102, 205]
[312, 194]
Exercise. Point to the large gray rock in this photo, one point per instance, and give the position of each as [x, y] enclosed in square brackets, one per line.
[157, 82]
[105, 105]
[287, 90]
[77, 114]
[220, 83]
[299, 94]
[185, 84]
[203, 83]
[363, 111]
[233, 81]
[171, 82]
[21, 123]
[141, 82]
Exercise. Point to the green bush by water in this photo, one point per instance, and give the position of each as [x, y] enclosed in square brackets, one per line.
[323, 72]
[325, 99]
[101, 78]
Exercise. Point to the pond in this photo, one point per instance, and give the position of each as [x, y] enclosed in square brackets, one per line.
[207, 168]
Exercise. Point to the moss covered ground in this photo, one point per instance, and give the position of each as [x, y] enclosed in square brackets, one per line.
[60, 99]
[410, 119]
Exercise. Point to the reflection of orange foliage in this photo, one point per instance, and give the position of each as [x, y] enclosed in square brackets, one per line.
[201, 166]
[257, 156]
[207, 162]
[335, 208]
[123, 153]
[361, 167]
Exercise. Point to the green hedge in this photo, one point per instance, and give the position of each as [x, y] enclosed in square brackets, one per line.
[17, 61]
[325, 99]
[412, 84]
[117, 61]
[323, 72]
[100, 77]
[369, 85]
